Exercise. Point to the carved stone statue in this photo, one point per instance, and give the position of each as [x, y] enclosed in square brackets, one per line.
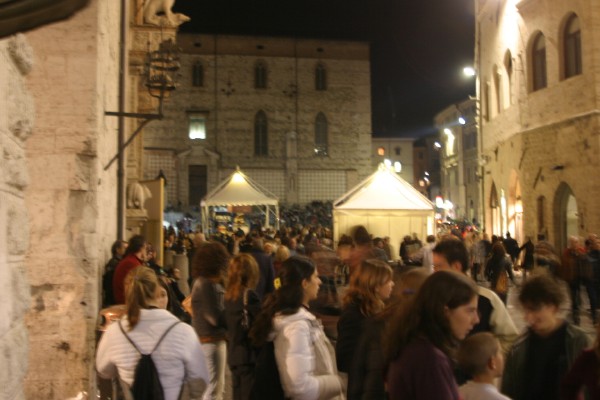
[137, 194]
[153, 7]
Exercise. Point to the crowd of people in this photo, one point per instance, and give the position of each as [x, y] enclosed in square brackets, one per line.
[431, 324]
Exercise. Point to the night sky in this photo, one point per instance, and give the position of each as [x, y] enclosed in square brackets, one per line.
[418, 47]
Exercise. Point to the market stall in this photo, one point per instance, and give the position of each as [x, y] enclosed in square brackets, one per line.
[386, 205]
[236, 192]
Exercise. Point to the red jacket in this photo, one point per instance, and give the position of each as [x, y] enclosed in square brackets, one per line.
[123, 268]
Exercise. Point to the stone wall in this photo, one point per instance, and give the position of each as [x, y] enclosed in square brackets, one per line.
[535, 143]
[16, 119]
[70, 199]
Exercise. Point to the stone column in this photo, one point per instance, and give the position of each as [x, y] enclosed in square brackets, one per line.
[16, 119]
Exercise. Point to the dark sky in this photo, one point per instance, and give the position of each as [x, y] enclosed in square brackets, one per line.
[418, 47]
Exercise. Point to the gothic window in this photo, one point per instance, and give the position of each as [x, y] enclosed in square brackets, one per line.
[197, 125]
[261, 146]
[320, 77]
[260, 75]
[197, 74]
[321, 139]
[538, 63]
[541, 204]
[508, 67]
[572, 47]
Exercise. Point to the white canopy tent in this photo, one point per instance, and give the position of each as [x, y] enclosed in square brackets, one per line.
[386, 205]
[239, 190]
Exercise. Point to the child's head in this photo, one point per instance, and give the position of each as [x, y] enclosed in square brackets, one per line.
[481, 354]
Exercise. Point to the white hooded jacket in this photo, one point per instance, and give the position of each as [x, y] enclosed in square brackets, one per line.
[305, 358]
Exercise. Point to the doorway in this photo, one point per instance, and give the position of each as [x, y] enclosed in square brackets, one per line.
[197, 180]
[566, 215]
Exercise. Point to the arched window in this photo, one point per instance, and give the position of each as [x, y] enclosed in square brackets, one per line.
[260, 75]
[508, 67]
[541, 220]
[538, 63]
[498, 89]
[572, 47]
[261, 145]
[320, 77]
[197, 74]
[321, 139]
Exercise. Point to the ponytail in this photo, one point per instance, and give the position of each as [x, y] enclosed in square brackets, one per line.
[140, 289]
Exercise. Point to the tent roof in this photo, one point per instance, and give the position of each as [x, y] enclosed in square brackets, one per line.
[384, 190]
[238, 190]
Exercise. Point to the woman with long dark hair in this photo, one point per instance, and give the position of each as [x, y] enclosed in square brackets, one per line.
[303, 354]
[499, 269]
[178, 358]
[421, 339]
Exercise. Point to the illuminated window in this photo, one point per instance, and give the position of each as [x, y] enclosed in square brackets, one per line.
[198, 74]
[538, 63]
[260, 75]
[261, 145]
[380, 151]
[321, 139]
[197, 125]
[320, 78]
[572, 47]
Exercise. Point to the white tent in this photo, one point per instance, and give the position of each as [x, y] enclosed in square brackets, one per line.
[386, 205]
[239, 190]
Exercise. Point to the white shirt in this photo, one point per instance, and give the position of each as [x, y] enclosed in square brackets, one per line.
[178, 358]
[480, 391]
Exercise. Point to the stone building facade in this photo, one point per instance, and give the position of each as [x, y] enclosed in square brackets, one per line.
[457, 127]
[538, 83]
[293, 114]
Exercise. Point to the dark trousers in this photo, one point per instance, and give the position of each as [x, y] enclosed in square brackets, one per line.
[575, 291]
[242, 378]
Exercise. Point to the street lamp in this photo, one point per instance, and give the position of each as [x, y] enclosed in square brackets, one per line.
[469, 72]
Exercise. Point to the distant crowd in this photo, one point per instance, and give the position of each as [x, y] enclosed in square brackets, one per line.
[293, 317]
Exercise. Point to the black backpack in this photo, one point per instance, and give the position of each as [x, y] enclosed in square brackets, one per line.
[267, 384]
[146, 383]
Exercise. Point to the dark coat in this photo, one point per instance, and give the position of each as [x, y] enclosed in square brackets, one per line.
[350, 328]
[239, 349]
[365, 377]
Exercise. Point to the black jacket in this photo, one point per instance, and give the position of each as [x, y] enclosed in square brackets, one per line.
[239, 349]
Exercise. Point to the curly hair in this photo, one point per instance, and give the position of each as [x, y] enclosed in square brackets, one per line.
[425, 315]
[286, 300]
[371, 274]
[210, 262]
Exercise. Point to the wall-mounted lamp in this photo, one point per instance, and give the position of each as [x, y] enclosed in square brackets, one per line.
[519, 206]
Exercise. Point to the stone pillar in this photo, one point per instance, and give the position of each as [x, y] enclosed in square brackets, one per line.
[71, 200]
[16, 119]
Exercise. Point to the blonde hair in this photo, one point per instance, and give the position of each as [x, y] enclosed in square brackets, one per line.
[282, 253]
[242, 273]
[364, 282]
[141, 285]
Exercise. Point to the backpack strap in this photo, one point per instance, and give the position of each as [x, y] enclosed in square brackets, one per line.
[157, 343]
